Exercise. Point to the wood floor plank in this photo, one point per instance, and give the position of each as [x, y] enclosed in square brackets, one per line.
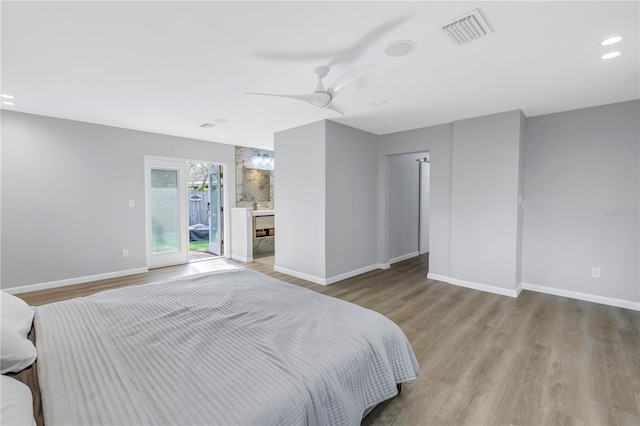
[520, 402]
[612, 386]
[485, 359]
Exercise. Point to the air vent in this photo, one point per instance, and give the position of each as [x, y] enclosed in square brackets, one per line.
[468, 27]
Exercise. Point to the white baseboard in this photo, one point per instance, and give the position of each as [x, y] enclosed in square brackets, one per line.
[71, 281]
[484, 287]
[437, 277]
[518, 289]
[330, 280]
[350, 274]
[540, 289]
[384, 265]
[302, 275]
[476, 286]
[242, 259]
[404, 257]
[583, 296]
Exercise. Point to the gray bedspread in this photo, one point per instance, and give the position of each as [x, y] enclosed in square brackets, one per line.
[231, 348]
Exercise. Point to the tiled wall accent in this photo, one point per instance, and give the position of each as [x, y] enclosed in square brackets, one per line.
[246, 157]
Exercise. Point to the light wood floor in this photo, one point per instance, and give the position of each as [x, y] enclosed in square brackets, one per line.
[485, 359]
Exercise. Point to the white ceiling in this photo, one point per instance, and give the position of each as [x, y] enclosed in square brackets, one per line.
[168, 67]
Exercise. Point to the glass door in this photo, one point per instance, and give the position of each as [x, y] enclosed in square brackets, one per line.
[166, 210]
[215, 210]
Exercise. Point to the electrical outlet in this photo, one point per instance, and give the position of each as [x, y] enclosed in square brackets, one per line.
[125, 252]
[595, 272]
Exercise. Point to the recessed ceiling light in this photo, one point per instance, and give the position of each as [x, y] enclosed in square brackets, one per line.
[7, 103]
[611, 40]
[7, 97]
[389, 123]
[207, 125]
[400, 48]
[611, 55]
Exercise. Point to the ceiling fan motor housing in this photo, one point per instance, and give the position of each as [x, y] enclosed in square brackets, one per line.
[321, 71]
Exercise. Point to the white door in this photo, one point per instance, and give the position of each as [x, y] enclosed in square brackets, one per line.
[215, 210]
[166, 212]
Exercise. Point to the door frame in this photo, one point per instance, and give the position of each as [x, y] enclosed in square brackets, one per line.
[216, 248]
[185, 201]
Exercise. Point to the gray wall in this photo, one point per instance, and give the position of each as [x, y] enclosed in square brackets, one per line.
[436, 140]
[581, 207]
[484, 200]
[351, 215]
[521, 194]
[326, 214]
[84, 174]
[578, 173]
[581, 193]
[300, 217]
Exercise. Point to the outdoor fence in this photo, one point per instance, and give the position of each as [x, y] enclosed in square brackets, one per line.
[198, 208]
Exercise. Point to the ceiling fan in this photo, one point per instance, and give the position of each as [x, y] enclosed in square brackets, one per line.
[321, 97]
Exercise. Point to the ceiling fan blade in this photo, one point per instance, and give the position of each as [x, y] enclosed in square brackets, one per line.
[333, 107]
[317, 99]
[306, 98]
[348, 78]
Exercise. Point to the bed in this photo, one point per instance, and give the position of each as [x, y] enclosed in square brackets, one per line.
[232, 347]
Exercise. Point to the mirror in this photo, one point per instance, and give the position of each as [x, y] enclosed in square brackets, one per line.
[256, 185]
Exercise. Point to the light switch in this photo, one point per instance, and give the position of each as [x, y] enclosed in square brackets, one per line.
[132, 203]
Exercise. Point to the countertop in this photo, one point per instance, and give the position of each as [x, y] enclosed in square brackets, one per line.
[263, 212]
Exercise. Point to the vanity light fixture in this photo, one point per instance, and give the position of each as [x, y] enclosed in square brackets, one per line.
[8, 100]
[263, 160]
[610, 55]
[611, 40]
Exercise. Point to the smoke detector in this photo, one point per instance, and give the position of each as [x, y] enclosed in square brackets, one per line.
[468, 27]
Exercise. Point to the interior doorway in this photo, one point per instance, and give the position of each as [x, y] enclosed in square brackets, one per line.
[408, 185]
[424, 186]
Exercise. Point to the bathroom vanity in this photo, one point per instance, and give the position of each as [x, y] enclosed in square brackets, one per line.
[252, 232]
[263, 231]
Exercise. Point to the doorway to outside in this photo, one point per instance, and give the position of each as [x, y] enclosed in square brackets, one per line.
[176, 235]
[205, 211]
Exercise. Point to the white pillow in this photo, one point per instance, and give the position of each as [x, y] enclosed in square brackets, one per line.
[17, 404]
[17, 352]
